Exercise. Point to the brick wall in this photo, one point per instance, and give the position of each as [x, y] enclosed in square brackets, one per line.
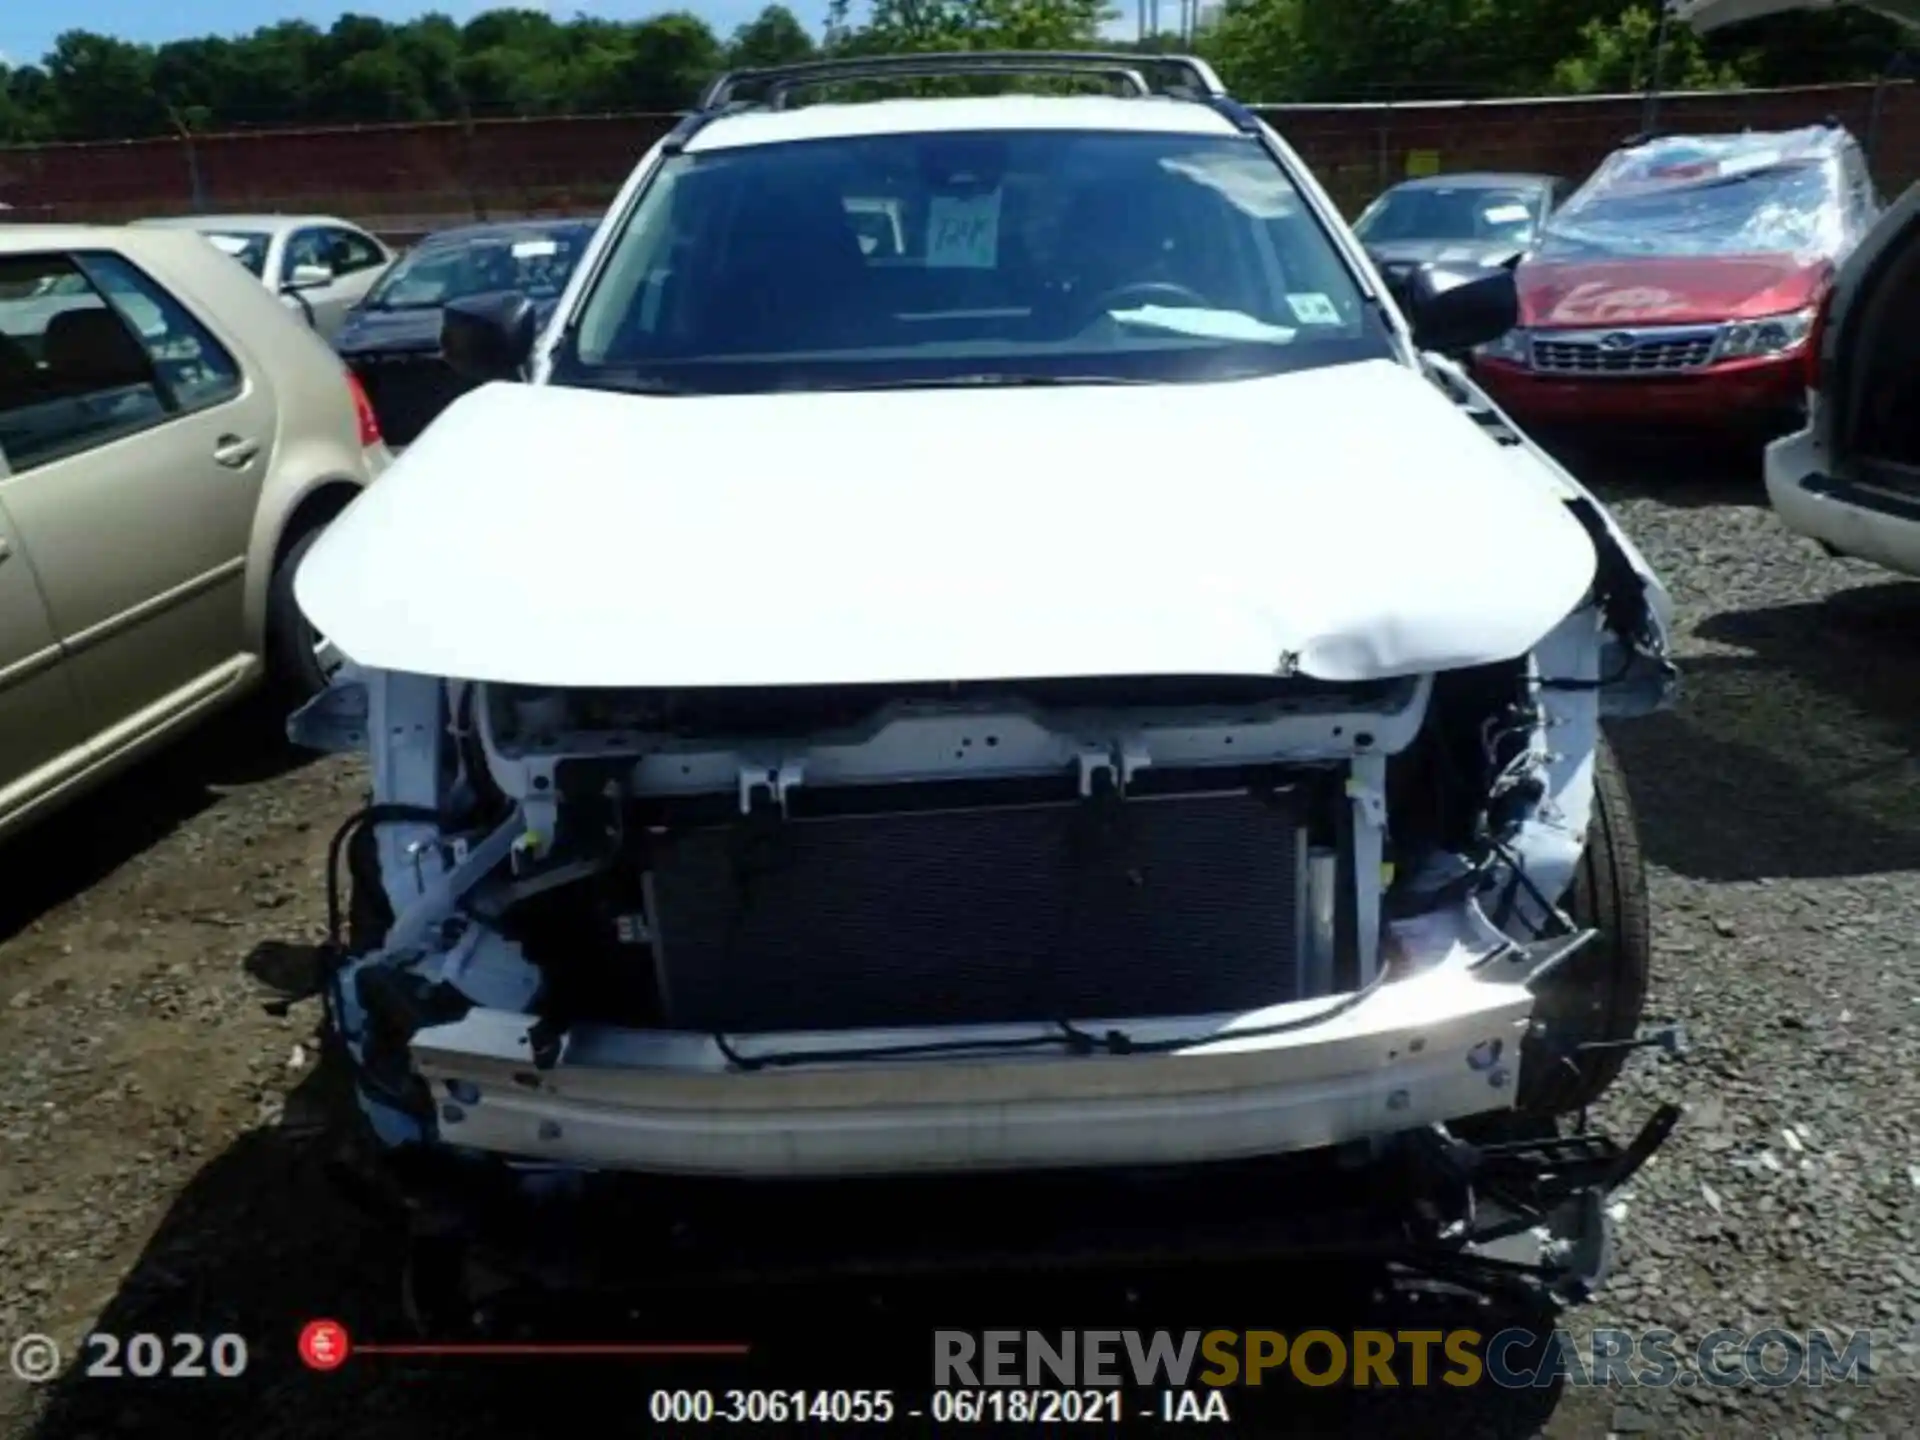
[404, 178]
[395, 175]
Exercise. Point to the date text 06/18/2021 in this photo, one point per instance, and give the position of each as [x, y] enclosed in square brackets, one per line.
[1015, 1405]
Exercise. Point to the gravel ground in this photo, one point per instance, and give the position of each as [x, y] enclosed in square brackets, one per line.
[159, 1171]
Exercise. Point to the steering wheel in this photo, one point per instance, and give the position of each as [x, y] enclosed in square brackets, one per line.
[1148, 292]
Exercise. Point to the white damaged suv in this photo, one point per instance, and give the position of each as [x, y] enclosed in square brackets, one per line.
[979, 643]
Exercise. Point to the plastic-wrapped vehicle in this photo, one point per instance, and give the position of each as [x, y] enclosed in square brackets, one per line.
[1681, 281]
[1082, 693]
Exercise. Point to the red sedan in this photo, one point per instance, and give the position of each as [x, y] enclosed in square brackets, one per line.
[1683, 283]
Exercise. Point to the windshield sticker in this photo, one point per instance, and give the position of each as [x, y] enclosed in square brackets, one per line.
[963, 231]
[533, 249]
[1313, 309]
[231, 244]
[1507, 214]
[1205, 324]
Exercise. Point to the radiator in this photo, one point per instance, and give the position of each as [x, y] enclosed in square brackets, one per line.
[1168, 906]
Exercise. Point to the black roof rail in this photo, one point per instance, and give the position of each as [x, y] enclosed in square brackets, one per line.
[1198, 80]
[1239, 116]
[689, 123]
[685, 126]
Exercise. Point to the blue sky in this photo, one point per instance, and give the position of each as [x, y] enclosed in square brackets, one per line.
[27, 27]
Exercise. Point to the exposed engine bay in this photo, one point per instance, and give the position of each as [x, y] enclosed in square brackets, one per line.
[833, 889]
[607, 949]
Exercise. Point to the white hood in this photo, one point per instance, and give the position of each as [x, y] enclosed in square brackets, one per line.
[1351, 520]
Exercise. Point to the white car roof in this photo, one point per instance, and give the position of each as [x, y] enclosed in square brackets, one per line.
[1161, 115]
[19, 239]
[266, 224]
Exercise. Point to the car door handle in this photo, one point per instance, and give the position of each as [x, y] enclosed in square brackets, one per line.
[234, 451]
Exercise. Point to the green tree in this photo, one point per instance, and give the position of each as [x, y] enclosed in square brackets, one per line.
[531, 31]
[1397, 49]
[894, 26]
[272, 77]
[27, 105]
[192, 77]
[596, 55]
[1621, 56]
[668, 60]
[773, 37]
[103, 88]
[500, 80]
[430, 47]
[19, 120]
[364, 75]
[1809, 48]
[968, 25]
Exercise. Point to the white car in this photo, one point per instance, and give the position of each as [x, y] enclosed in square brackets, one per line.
[1850, 478]
[1085, 695]
[319, 265]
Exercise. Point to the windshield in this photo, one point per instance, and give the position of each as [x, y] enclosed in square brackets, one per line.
[1501, 215]
[249, 247]
[1704, 209]
[991, 255]
[537, 263]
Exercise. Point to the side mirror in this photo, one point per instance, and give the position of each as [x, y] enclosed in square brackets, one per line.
[488, 337]
[309, 277]
[1396, 274]
[1452, 310]
[297, 303]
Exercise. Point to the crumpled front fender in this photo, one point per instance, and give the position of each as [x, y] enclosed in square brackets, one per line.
[1637, 673]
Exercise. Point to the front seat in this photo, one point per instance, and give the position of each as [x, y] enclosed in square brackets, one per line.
[19, 375]
[794, 274]
[90, 348]
[1122, 238]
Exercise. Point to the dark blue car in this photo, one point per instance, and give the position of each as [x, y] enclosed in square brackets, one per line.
[392, 340]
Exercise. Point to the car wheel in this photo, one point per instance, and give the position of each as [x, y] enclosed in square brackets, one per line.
[434, 1298]
[369, 911]
[1601, 992]
[301, 662]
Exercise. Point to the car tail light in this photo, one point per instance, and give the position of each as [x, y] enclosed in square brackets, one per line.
[1816, 337]
[363, 409]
